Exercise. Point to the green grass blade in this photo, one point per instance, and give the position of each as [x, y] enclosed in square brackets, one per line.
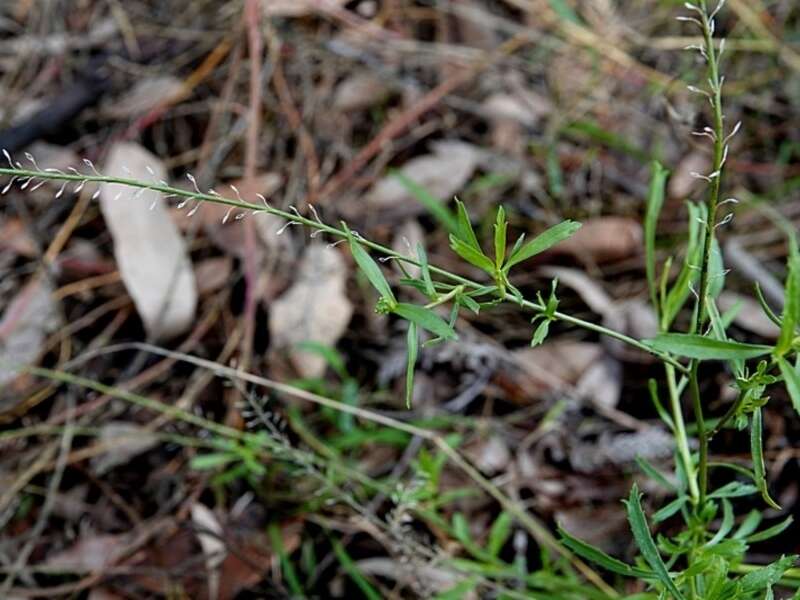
[276, 539]
[433, 205]
[352, 571]
[655, 201]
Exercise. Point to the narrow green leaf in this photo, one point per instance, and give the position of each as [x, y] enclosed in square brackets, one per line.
[458, 591]
[205, 462]
[465, 232]
[679, 293]
[425, 270]
[655, 474]
[600, 558]
[716, 271]
[544, 241]
[499, 533]
[371, 269]
[331, 355]
[791, 310]
[517, 245]
[463, 535]
[565, 11]
[413, 351]
[791, 378]
[276, 539]
[719, 325]
[733, 489]
[641, 533]
[770, 532]
[436, 207]
[500, 227]
[765, 306]
[757, 451]
[749, 525]
[725, 526]
[655, 201]
[425, 318]
[352, 570]
[703, 348]
[670, 509]
[471, 255]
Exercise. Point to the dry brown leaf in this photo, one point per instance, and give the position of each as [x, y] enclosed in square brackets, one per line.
[359, 91]
[25, 323]
[124, 441]
[631, 316]
[145, 95]
[750, 315]
[436, 579]
[442, 173]
[605, 526]
[604, 239]
[213, 274]
[51, 156]
[298, 8]
[491, 455]
[150, 252]
[211, 537]
[601, 383]
[682, 183]
[556, 364]
[90, 554]
[510, 114]
[405, 241]
[15, 237]
[524, 107]
[314, 309]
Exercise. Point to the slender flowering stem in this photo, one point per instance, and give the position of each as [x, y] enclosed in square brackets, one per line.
[717, 134]
[296, 218]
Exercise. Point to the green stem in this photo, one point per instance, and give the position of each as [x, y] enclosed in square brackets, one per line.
[333, 231]
[681, 439]
[712, 204]
[702, 437]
